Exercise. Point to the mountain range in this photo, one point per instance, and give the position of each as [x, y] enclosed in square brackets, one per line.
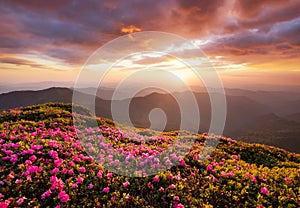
[271, 118]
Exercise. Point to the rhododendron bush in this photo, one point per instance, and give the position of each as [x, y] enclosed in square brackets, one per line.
[43, 164]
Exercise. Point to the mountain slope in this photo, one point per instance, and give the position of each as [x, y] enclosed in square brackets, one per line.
[272, 130]
[43, 164]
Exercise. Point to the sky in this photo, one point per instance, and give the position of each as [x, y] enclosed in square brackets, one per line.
[249, 42]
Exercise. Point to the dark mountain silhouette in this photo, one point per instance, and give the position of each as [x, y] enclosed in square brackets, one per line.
[31, 97]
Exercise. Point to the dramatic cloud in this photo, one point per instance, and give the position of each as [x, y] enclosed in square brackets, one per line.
[253, 8]
[18, 61]
[280, 39]
[242, 31]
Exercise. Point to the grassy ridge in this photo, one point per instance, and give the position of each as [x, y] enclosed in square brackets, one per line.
[43, 164]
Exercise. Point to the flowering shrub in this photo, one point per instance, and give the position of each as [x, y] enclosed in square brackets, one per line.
[43, 164]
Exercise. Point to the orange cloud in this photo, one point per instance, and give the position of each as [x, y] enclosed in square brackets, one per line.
[130, 29]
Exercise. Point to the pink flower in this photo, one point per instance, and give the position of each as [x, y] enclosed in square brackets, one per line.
[99, 174]
[28, 162]
[11, 175]
[21, 200]
[231, 174]
[82, 170]
[264, 190]
[28, 178]
[176, 198]
[70, 172]
[106, 190]
[156, 179]
[109, 175]
[53, 179]
[58, 162]
[179, 206]
[58, 184]
[248, 175]
[34, 168]
[5, 158]
[91, 186]
[53, 154]
[1, 195]
[14, 158]
[253, 179]
[79, 180]
[150, 185]
[172, 186]
[18, 181]
[182, 163]
[161, 189]
[224, 175]
[63, 196]
[46, 194]
[125, 184]
[178, 177]
[238, 167]
[64, 170]
[286, 179]
[43, 196]
[4, 204]
[209, 167]
[168, 162]
[235, 157]
[32, 158]
[54, 171]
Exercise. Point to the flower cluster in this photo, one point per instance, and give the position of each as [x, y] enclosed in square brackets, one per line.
[42, 163]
